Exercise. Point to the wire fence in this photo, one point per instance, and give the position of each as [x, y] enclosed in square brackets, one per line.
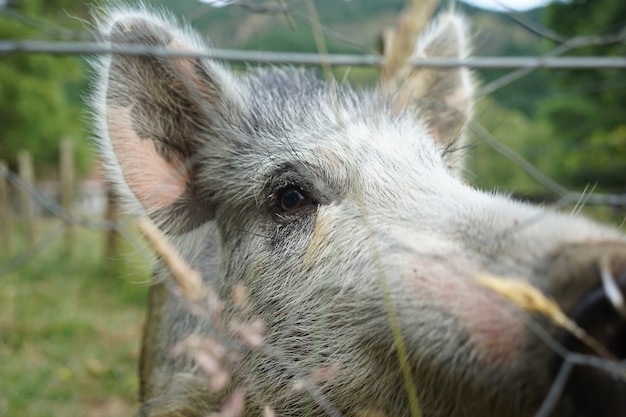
[521, 66]
[314, 59]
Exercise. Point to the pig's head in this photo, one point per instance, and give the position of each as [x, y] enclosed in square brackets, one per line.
[340, 212]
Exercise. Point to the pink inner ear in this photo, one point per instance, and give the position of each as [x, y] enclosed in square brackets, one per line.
[186, 72]
[155, 182]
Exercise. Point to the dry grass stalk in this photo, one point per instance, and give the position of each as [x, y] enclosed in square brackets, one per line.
[215, 359]
[212, 356]
[187, 278]
[319, 375]
[240, 296]
[411, 23]
[268, 412]
[531, 299]
[233, 407]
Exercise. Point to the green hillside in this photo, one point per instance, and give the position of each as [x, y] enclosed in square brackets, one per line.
[356, 27]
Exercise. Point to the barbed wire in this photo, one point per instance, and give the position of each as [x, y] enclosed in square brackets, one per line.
[554, 54]
[299, 58]
[52, 206]
[30, 252]
[67, 219]
[566, 196]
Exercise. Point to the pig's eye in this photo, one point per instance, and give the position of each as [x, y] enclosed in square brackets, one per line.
[292, 198]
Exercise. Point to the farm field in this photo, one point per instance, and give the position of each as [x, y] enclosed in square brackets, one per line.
[69, 331]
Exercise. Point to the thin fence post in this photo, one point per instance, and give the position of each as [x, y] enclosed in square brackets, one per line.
[67, 186]
[6, 212]
[27, 207]
[112, 234]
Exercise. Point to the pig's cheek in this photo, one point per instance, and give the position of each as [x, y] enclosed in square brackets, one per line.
[495, 332]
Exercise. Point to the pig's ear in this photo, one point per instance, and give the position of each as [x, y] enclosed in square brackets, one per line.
[154, 113]
[442, 97]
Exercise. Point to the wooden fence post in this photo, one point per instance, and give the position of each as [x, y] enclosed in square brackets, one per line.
[112, 234]
[27, 207]
[66, 175]
[6, 211]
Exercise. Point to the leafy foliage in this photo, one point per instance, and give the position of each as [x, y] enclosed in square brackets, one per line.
[516, 131]
[39, 94]
[588, 115]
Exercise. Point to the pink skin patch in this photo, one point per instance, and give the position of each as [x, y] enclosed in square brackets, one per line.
[155, 182]
[494, 331]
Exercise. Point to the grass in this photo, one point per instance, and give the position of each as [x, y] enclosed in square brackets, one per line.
[69, 330]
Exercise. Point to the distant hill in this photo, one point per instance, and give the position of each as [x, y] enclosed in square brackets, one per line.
[262, 27]
[355, 27]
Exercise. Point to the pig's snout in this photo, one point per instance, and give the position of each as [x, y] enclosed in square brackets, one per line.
[600, 310]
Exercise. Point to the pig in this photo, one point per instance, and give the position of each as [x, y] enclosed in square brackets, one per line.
[342, 215]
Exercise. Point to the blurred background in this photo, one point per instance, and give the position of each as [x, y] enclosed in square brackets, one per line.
[71, 302]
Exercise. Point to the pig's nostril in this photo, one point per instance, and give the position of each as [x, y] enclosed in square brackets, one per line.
[600, 318]
[594, 391]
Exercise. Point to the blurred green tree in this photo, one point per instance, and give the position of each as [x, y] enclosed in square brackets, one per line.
[40, 94]
[588, 115]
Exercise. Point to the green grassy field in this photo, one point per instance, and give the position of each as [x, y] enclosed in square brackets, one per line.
[69, 330]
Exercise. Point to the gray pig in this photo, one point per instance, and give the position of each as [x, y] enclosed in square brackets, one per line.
[341, 214]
